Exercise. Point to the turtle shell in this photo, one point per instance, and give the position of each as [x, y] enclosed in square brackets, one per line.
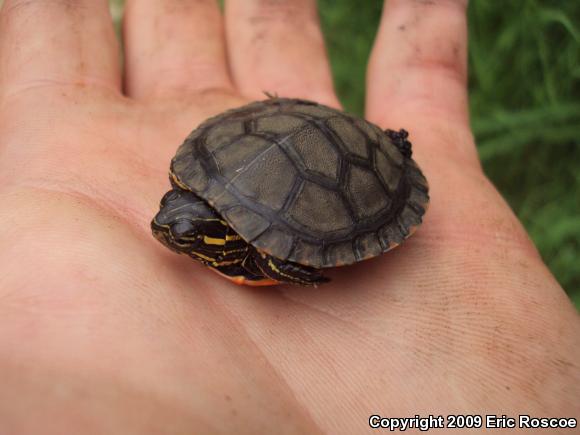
[304, 182]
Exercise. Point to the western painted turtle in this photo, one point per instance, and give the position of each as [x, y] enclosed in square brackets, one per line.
[276, 190]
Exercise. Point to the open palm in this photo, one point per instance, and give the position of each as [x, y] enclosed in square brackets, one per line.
[103, 330]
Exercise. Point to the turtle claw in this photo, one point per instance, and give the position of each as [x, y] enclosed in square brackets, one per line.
[399, 138]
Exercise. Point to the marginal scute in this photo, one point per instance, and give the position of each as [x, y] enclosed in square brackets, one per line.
[317, 111]
[320, 209]
[389, 173]
[368, 245]
[311, 144]
[390, 234]
[389, 148]
[409, 217]
[366, 192]
[253, 224]
[190, 173]
[351, 137]
[372, 131]
[275, 236]
[416, 177]
[217, 138]
[418, 197]
[191, 138]
[308, 253]
[403, 229]
[252, 110]
[340, 254]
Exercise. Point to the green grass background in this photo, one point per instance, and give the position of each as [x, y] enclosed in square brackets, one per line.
[524, 84]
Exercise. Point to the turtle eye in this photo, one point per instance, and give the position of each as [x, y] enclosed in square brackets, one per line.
[184, 229]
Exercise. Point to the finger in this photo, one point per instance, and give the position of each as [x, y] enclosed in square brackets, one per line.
[57, 42]
[418, 64]
[174, 46]
[277, 47]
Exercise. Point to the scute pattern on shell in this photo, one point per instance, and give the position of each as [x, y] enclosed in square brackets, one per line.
[304, 182]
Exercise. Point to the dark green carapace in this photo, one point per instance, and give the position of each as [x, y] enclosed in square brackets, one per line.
[274, 191]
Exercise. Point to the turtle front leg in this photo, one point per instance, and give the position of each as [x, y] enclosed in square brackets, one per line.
[286, 271]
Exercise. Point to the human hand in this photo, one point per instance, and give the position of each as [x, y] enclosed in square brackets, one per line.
[106, 331]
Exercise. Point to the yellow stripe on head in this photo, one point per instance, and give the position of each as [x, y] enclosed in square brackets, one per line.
[197, 254]
[213, 241]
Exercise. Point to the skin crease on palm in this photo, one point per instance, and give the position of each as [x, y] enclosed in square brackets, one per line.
[103, 330]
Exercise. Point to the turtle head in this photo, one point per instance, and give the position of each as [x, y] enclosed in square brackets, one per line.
[182, 220]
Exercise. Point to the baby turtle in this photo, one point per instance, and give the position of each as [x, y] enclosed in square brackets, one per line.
[276, 190]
